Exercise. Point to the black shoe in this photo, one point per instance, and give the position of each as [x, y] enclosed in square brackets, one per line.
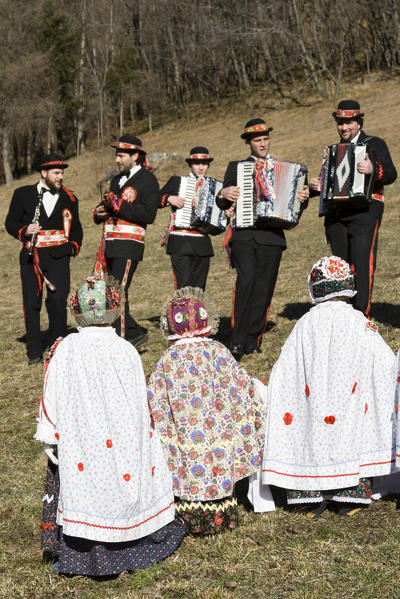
[255, 350]
[236, 351]
[139, 340]
[316, 512]
[37, 360]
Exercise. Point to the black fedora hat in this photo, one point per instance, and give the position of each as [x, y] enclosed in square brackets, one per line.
[255, 127]
[50, 161]
[128, 143]
[199, 153]
[348, 109]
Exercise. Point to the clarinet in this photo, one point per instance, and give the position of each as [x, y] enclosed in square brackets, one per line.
[35, 221]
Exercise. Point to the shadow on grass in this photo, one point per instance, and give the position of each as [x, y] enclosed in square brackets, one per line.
[386, 313]
[44, 336]
[224, 331]
[295, 311]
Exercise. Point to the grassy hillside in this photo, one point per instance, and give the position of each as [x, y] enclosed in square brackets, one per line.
[275, 555]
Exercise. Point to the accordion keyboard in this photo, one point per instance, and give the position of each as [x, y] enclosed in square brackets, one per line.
[244, 206]
[183, 216]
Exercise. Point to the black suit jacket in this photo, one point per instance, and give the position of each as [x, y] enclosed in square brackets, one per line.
[142, 211]
[184, 245]
[385, 170]
[21, 213]
[263, 234]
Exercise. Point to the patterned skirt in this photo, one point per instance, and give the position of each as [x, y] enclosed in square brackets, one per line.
[208, 517]
[359, 494]
[91, 558]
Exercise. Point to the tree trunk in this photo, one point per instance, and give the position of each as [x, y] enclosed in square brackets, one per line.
[80, 142]
[121, 114]
[28, 160]
[6, 158]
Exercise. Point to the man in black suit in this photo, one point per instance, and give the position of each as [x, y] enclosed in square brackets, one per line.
[126, 211]
[352, 231]
[256, 251]
[190, 250]
[44, 217]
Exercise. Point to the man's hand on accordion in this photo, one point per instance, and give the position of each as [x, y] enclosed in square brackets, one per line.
[230, 193]
[230, 211]
[365, 166]
[315, 184]
[176, 201]
[303, 194]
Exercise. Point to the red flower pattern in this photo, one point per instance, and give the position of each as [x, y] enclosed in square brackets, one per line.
[109, 443]
[307, 391]
[127, 477]
[57, 436]
[329, 419]
[80, 466]
[288, 418]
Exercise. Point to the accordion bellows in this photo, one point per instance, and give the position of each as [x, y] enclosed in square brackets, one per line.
[282, 209]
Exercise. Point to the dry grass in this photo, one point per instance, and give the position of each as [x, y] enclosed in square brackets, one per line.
[273, 555]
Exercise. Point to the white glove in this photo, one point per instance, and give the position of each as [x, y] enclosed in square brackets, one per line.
[49, 450]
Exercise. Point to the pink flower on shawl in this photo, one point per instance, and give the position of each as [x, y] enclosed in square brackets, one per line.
[228, 434]
[178, 404]
[158, 415]
[208, 458]
[181, 472]
[219, 404]
[211, 491]
[209, 422]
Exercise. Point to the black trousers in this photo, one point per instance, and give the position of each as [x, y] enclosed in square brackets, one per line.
[58, 272]
[358, 245]
[116, 267]
[190, 270]
[257, 269]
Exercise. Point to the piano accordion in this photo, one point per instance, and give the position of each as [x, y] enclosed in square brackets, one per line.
[184, 215]
[200, 211]
[282, 211]
[209, 219]
[340, 180]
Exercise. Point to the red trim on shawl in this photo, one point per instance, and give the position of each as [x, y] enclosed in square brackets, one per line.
[117, 527]
[327, 475]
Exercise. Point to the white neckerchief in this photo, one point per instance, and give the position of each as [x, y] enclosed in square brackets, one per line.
[49, 199]
[355, 139]
[126, 177]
